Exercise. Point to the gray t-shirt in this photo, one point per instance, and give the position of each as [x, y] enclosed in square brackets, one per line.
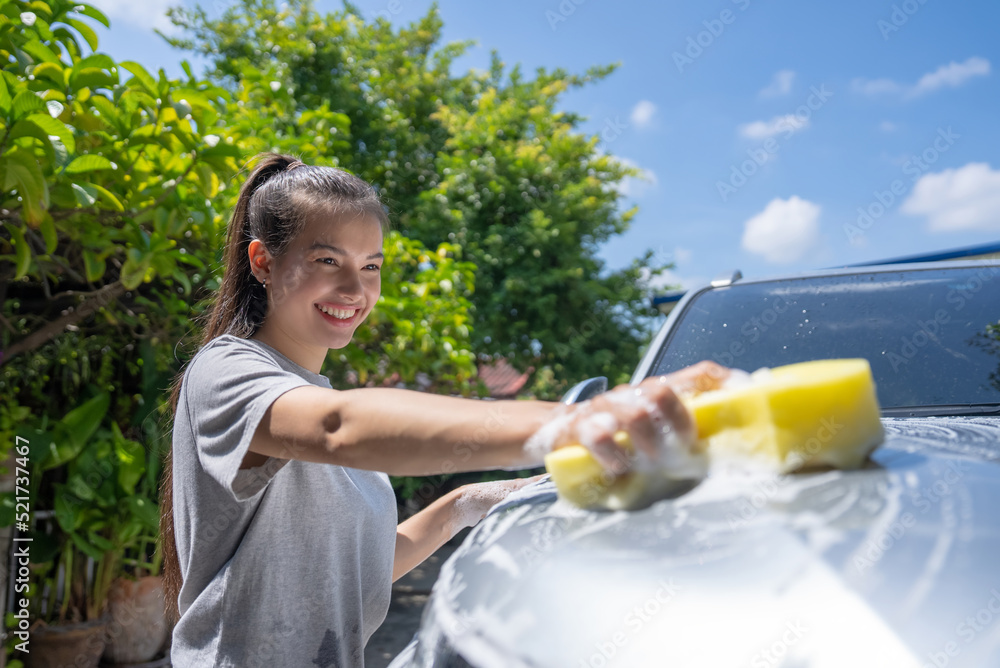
[288, 563]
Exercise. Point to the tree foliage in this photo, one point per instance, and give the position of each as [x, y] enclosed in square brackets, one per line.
[480, 159]
[116, 188]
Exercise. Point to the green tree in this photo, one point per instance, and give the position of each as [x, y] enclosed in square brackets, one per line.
[531, 199]
[107, 229]
[116, 188]
[483, 160]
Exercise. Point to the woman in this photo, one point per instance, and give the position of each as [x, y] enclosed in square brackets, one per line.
[279, 522]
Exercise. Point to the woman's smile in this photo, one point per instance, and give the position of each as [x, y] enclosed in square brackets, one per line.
[338, 317]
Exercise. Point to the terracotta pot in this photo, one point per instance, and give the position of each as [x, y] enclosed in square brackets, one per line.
[67, 645]
[138, 625]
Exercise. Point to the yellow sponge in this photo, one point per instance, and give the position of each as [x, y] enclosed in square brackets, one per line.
[813, 413]
[581, 480]
[806, 414]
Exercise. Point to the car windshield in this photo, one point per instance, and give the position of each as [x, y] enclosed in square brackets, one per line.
[931, 335]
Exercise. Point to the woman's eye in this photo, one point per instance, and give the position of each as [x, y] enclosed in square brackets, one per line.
[375, 267]
[324, 259]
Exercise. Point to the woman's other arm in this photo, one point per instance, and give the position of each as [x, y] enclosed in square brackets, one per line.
[420, 536]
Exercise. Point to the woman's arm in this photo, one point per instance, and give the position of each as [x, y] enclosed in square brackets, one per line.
[401, 432]
[420, 536]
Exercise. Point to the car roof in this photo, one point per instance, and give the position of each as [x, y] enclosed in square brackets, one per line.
[848, 270]
[649, 357]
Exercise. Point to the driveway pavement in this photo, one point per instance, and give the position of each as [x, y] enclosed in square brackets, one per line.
[409, 594]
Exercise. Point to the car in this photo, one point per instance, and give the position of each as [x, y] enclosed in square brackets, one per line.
[894, 564]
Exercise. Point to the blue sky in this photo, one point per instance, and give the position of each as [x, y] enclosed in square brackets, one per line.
[776, 136]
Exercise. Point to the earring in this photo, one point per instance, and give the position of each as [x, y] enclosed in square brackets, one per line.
[263, 283]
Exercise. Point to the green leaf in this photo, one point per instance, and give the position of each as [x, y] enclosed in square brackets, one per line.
[92, 78]
[163, 263]
[7, 509]
[85, 196]
[26, 102]
[51, 71]
[131, 463]
[100, 542]
[4, 96]
[182, 278]
[60, 154]
[91, 551]
[142, 76]
[22, 171]
[107, 196]
[82, 421]
[94, 13]
[39, 51]
[68, 40]
[104, 195]
[208, 179]
[22, 252]
[48, 229]
[67, 511]
[79, 487]
[85, 30]
[145, 510]
[93, 265]
[89, 163]
[134, 269]
[99, 60]
[107, 108]
[222, 149]
[47, 126]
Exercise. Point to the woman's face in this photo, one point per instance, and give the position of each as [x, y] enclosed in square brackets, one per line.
[332, 266]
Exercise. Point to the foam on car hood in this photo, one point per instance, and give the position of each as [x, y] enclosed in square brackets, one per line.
[873, 567]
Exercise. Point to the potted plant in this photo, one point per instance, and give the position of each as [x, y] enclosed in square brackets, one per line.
[71, 558]
[138, 627]
[93, 556]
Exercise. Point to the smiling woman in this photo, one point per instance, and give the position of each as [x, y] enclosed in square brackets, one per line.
[278, 518]
[323, 286]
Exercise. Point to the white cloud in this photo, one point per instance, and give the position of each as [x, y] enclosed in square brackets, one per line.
[967, 198]
[951, 75]
[781, 84]
[784, 230]
[876, 86]
[787, 124]
[642, 113]
[146, 14]
[887, 126]
[639, 185]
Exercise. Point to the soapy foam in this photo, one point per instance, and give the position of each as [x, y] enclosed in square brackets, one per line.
[477, 499]
[674, 460]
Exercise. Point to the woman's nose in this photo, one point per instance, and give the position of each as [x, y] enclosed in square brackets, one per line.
[349, 283]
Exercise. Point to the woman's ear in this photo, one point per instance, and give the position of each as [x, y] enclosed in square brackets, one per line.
[260, 259]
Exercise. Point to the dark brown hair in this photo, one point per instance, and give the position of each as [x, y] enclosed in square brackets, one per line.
[272, 207]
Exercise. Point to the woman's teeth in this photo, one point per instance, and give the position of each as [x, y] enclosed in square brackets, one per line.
[337, 313]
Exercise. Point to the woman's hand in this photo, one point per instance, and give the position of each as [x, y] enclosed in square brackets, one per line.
[476, 499]
[650, 413]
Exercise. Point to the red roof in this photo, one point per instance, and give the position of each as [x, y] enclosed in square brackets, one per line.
[503, 380]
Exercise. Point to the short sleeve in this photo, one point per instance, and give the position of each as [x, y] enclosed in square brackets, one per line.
[227, 389]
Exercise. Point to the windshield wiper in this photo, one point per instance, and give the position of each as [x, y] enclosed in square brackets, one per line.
[942, 410]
